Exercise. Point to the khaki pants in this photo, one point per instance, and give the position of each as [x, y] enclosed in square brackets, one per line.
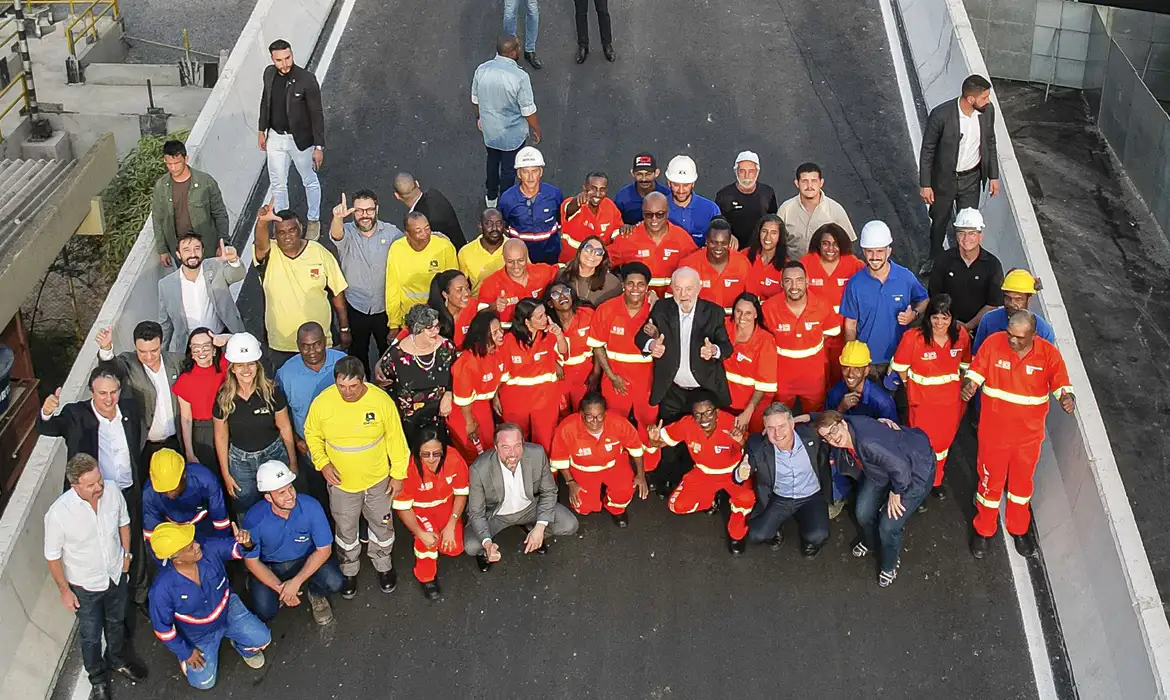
[347, 508]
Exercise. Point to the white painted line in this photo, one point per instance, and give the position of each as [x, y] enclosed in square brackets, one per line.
[896, 53]
[322, 69]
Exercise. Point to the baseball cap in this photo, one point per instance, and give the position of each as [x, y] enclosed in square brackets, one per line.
[644, 161]
[749, 156]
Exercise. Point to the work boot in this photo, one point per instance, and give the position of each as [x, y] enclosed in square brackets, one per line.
[349, 587]
[1025, 545]
[387, 581]
[533, 61]
[777, 541]
[100, 691]
[808, 551]
[582, 54]
[835, 509]
[622, 520]
[736, 547]
[482, 561]
[313, 230]
[607, 49]
[939, 492]
[256, 660]
[322, 610]
[431, 590]
[979, 545]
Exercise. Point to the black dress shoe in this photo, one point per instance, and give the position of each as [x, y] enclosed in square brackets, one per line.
[133, 670]
[388, 580]
[610, 56]
[810, 550]
[665, 489]
[979, 546]
[431, 590]
[582, 54]
[736, 547]
[1025, 545]
[100, 691]
[939, 492]
[622, 520]
[349, 587]
[533, 61]
[777, 541]
[482, 561]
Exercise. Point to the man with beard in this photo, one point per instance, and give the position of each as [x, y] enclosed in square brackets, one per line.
[589, 213]
[629, 198]
[746, 200]
[958, 156]
[197, 295]
[689, 211]
[362, 246]
[485, 254]
[185, 200]
[800, 322]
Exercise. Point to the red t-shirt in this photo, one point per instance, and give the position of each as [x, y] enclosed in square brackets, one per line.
[198, 387]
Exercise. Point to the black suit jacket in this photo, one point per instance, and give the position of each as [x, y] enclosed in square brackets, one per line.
[77, 423]
[306, 120]
[709, 323]
[940, 147]
[761, 454]
[441, 216]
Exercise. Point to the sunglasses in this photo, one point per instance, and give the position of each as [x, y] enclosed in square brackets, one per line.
[562, 292]
[654, 214]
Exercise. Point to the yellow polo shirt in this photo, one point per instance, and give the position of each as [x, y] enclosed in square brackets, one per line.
[294, 292]
[363, 440]
[409, 274]
[477, 263]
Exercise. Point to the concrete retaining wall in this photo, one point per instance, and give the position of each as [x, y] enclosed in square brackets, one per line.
[34, 627]
[1113, 622]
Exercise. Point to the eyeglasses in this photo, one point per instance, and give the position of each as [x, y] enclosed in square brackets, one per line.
[431, 455]
[595, 250]
[654, 214]
[371, 210]
[706, 413]
[203, 347]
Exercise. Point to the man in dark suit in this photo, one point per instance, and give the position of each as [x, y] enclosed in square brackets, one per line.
[511, 485]
[292, 129]
[108, 427]
[793, 480]
[687, 337]
[958, 156]
[432, 204]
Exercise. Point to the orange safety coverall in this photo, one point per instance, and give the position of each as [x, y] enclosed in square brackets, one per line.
[750, 368]
[540, 276]
[800, 349]
[584, 223]
[1011, 425]
[663, 258]
[579, 361]
[764, 280]
[933, 374]
[720, 287]
[715, 456]
[432, 498]
[531, 393]
[598, 461]
[830, 287]
[463, 322]
[474, 382]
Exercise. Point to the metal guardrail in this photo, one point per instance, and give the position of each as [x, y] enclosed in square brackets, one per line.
[19, 97]
[88, 21]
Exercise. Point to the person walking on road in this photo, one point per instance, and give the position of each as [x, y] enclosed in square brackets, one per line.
[603, 25]
[531, 27]
[958, 156]
[505, 112]
[292, 130]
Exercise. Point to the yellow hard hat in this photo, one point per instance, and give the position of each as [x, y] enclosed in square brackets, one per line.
[169, 538]
[166, 468]
[1020, 281]
[855, 354]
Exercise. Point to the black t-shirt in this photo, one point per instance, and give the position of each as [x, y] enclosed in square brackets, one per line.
[252, 424]
[744, 211]
[278, 106]
[971, 288]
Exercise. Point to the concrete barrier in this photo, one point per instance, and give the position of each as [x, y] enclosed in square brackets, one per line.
[1112, 618]
[34, 628]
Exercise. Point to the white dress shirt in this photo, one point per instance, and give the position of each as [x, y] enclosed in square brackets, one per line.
[969, 135]
[515, 500]
[197, 306]
[113, 452]
[162, 426]
[87, 543]
[684, 377]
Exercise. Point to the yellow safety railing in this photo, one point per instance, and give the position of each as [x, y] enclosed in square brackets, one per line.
[86, 21]
[11, 96]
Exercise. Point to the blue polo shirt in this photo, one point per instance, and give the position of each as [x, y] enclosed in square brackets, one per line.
[535, 221]
[301, 385]
[875, 306]
[875, 401]
[277, 539]
[629, 202]
[694, 217]
[996, 320]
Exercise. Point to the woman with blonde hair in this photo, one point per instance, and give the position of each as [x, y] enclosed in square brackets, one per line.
[251, 422]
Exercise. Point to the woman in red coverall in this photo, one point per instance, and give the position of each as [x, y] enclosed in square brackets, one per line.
[532, 351]
[451, 296]
[431, 504]
[751, 368]
[767, 254]
[562, 305]
[475, 379]
[829, 264]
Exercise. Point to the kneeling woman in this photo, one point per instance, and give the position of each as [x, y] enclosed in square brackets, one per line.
[530, 396]
[431, 504]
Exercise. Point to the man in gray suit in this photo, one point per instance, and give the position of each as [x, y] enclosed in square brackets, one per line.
[513, 485]
[197, 295]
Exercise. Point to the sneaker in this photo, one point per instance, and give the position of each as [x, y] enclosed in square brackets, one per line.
[322, 610]
[313, 232]
[921, 508]
[491, 201]
[885, 578]
[777, 541]
[860, 550]
[939, 492]
[835, 509]
[255, 661]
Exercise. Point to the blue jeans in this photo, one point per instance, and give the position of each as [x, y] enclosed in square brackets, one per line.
[531, 21]
[266, 602]
[811, 513]
[243, 466]
[877, 528]
[98, 612]
[248, 635]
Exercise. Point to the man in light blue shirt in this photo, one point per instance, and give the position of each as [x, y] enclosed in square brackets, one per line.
[505, 111]
[303, 377]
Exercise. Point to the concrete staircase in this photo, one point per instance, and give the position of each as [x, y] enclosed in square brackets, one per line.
[24, 186]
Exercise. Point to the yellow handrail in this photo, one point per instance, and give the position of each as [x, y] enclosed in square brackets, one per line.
[88, 19]
[21, 98]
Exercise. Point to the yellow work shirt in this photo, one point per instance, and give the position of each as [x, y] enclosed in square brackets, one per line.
[477, 263]
[363, 440]
[294, 292]
[409, 274]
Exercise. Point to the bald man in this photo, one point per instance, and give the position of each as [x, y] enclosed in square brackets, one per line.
[432, 204]
[520, 278]
[505, 112]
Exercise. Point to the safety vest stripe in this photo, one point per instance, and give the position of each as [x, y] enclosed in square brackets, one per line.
[800, 354]
[627, 357]
[461, 492]
[594, 342]
[558, 464]
[709, 470]
[963, 366]
[575, 360]
[975, 377]
[358, 448]
[737, 509]
[533, 235]
[166, 636]
[198, 516]
[347, 546]
[573, 242]
[1059, 391]
[899, 367]
[593, 468]
[430, 504]
[834, 331]
[418, 554]
[1019, 500]
[940, 456]
[221, 524]
[740, 379]
[1019, 399]
[609, 502]
[931, 381]
[545, 378]
[767, 387]
[402, 505]
[635, 451]
[375, 540]
[987, 503]
[659, 281]
[212, 617]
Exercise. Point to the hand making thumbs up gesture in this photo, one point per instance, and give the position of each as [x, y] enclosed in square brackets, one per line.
[708, 351]
[52, 403]
[343, 210]
[658, 349]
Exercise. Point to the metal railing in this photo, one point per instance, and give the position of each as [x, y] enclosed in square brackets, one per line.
[19, 96]
[88, 19]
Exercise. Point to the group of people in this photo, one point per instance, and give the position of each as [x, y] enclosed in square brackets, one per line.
[655, 341]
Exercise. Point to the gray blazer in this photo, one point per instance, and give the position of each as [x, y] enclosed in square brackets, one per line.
[487, 488]
[142, 389]
[218, 275]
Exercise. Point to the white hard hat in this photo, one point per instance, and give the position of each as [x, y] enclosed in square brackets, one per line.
[682, 169]
[242, 347]
[876, 234]
[749, 156]
[273, 475]
[969, 220]
[529, 157]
